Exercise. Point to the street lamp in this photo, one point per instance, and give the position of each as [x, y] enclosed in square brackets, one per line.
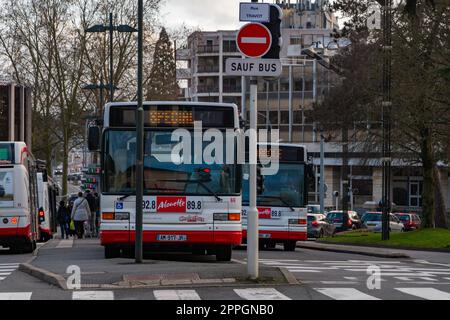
[102, 28]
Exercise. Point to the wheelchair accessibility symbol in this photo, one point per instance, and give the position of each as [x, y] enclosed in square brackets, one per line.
[119, 205]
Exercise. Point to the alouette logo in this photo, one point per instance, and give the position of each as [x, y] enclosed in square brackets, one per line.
[264, 213]
[171, 204]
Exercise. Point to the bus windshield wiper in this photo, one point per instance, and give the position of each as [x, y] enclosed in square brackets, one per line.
[200, 183]
[278, 198]
[124, 197]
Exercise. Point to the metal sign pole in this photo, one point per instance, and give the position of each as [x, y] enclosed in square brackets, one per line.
[322, 174]
[252, 226]
[139, 140]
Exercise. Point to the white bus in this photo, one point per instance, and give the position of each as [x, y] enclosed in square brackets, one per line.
[282, 202]
[47, 207]
[195, 206]
[18, 198]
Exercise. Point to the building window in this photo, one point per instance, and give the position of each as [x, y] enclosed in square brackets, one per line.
[362, 187]
[284, 117]
[295, 40]
[273, 116]
[229, 46]
[400, 193]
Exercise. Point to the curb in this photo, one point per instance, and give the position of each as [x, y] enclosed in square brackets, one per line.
[290, 278]
[353, 251]
[44, 275]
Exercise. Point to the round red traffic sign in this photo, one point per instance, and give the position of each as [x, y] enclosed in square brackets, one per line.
[254, 40]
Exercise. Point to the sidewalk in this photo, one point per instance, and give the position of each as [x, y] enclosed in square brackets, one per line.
[344, 248]
[159, 269]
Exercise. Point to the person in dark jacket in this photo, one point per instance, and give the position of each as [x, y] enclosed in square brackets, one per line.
[63, 219]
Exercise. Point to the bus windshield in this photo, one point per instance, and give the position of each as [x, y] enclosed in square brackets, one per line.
[6, 153]
[6, 188]
[285, 189]
[161, 174]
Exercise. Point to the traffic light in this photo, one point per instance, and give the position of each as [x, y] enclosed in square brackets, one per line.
[259, 181]
[275, 29]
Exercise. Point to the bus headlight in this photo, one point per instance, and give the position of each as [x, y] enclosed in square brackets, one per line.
[220, 216]
[297, 221]
[122, 216]
[227, 217]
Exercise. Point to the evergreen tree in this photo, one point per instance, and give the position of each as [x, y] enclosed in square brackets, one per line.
[162, 84]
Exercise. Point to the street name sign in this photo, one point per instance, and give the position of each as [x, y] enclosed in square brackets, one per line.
[254, 12]
[254, 40]
[253, 67]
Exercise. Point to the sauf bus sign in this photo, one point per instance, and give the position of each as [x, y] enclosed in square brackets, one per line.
[254, 40]
[254, 67]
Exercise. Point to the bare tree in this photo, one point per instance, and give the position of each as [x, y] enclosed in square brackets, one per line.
[420, 89]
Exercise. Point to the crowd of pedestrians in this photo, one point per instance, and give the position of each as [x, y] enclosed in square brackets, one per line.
[79, 216]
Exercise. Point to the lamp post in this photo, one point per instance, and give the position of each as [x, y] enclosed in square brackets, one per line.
[110, 27]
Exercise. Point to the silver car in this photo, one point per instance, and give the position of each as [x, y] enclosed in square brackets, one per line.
[372, 221]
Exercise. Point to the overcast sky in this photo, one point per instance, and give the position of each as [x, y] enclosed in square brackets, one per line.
[208, 15]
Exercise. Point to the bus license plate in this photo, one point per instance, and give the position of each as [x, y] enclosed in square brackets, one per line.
[171, 237]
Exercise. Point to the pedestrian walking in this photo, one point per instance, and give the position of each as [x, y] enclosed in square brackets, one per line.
[97, 213]
[90, 225]
[63, 219]
[80, 213]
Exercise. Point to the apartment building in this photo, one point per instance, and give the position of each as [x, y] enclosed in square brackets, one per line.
[15, 112]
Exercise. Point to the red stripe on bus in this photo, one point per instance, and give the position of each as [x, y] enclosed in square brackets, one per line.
[23, 231]
[198, 237]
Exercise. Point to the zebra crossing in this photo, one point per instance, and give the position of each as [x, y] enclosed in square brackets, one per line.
[6, 269]
[354, 270]
[261, 293]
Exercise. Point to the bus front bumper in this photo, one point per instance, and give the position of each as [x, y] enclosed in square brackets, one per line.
[123, 237]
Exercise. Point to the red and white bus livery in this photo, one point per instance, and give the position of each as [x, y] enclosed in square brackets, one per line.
[18, 198]
[194, 205]
[282, 202]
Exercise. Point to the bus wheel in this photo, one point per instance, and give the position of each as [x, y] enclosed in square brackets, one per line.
[28, 247]
[14, 249]
[128, 252]
[111, 252]
[223, 253]
[290, 245]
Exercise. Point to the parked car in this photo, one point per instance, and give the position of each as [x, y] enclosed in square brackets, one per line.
[319, 226]
[350, 221]
[411, 221]
[372, 221]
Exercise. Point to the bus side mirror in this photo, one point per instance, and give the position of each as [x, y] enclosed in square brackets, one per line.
[94, 138]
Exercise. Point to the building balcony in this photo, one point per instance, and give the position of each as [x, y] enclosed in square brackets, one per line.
[207, 49]
[183, 74]
[232, 89]
[230, 48]
[183, 54]
[207, 89]
[207, 69]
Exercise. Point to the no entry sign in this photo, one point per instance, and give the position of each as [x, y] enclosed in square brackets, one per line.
[254, 40]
